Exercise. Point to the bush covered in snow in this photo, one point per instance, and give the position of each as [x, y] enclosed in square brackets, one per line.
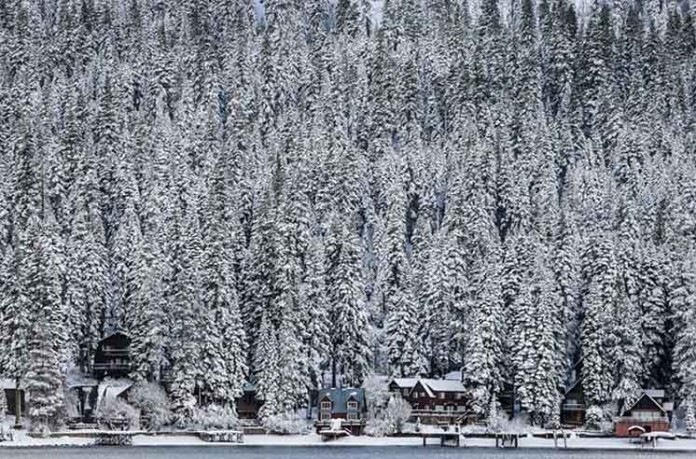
[153, 403]
[286, 423]
[116, 414]
[214, 417]
[593, 418]
[379, 396]
[392, 419]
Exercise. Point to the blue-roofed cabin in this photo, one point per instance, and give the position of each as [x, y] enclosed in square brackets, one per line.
[347, 404]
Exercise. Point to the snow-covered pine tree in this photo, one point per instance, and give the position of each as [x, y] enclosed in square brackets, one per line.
[46, 337]
[266, 370]
[350, 349]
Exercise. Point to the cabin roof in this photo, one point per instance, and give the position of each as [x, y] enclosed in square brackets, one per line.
[430, 386]
[341, 397]
[454, 376]
[645, 397]
[115, 334]
[445, 385]
[249, 386]
[11, 383]
[655, 393]
[404, 383]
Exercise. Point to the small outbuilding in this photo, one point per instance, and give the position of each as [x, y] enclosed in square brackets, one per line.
[248, 405]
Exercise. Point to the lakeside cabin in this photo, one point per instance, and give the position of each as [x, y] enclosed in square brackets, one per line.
[346, 404]
[112, 358]
[573, 404]
[12, 394]
[248, 405]
[433, 401]
[649, 413]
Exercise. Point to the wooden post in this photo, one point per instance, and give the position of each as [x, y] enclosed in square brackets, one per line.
[496, 440]
[18, 406]
[424, 439]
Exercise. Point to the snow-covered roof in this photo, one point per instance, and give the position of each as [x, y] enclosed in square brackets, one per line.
[405, 383]
[454, 376]
[652, 400]
[112, 388]
[426, 387]
[10, 383]
[655, 393]
[79, 379]
[445, 385]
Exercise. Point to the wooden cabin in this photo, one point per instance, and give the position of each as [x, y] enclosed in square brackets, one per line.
[112, 358]
[573, 406]
[248, 405]
[439, 401]
[649, 413]
[11, 394]
[347, 404]
[433, 401]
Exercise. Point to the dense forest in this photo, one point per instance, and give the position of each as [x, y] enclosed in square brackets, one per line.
[298, 191]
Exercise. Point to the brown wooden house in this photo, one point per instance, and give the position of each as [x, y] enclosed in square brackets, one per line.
[112, 358]
[347, 404]
[434, 401]
[573, 406]
[649, 413]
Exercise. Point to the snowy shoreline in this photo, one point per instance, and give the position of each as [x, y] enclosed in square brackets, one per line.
[143, 440]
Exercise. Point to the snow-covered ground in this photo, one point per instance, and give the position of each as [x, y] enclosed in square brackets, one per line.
[22, 439]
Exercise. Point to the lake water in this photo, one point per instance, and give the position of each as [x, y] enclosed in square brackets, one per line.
[328, 452]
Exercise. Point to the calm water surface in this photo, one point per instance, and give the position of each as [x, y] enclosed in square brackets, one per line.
[332, 452]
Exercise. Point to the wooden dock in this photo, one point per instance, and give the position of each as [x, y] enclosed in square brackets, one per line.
[328, 434]
[222, 436]
[447, 439]
[114, 439]
[507, 440]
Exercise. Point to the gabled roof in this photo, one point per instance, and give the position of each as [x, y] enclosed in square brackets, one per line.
[651, 400]
[340, 398]
[404, 383]
[430, 386]
[115, 332]
[445, 385]
[454, 376]
[11, 383]
[654, 393]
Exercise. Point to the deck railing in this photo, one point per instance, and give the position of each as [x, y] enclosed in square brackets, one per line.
[573, 407]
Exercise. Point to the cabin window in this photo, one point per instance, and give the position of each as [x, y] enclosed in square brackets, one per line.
[460, 395]
[352, 405]
[326, 406]
[441, 395]
[422, 394]
[352, 416]
[405, 392]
